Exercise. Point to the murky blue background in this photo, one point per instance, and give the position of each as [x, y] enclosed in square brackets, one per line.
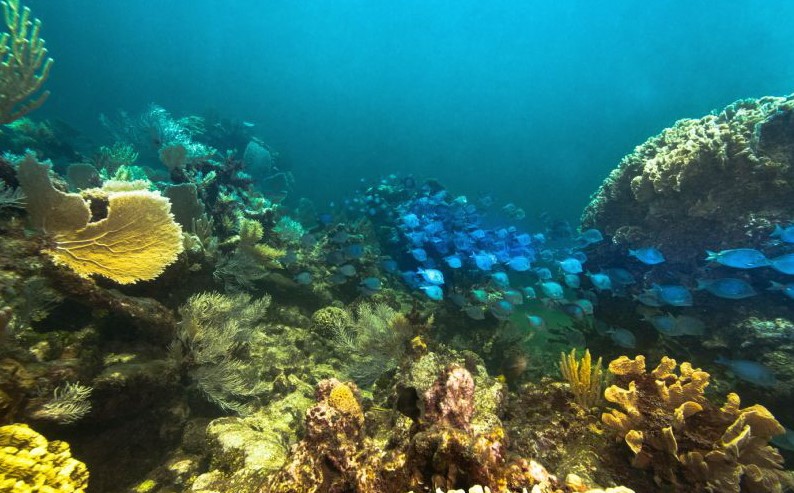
[533, 102]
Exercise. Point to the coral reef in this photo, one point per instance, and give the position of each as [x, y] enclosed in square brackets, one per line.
[28, 462]
[670, 427]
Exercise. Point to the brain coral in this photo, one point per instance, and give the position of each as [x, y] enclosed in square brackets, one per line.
[703, 183]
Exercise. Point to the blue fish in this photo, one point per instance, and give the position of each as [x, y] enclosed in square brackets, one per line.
[389, 265]
[354, 251]
[453, 261]
[502, 309]
[371, 283]
[783, 264]
[480, 295]
[348, 270]
[648, 255]
[543, 273]
[729, 288]
[289, 258]
[536, 322]
[587, 306]
[433, 292]
[785, 440]
[304, 278]
[786, 235]
[787, 289]
[501, 279]
[513, 296]
[690, 326]
[552, 289]
[571, 266]
[592, 236]
[338, 278]
[749, 371]
[529, 293]
[620, 276]
[673, 294]
[524, 239]
[432, 276]
[739, 258]
[622, 337]
[483, 261]
[519, 264]
[649, 297]
[573, 310]
[601, 282]
[665, 324]
[419, 254]
[572, 281]
[475, 312]
[458, 298]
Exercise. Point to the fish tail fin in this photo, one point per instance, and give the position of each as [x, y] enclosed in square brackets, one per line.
[777, 232]
[701, 284]
[710, 256]
[721, 360]
[775, 286]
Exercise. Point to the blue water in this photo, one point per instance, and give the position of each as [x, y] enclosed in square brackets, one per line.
[533, 102]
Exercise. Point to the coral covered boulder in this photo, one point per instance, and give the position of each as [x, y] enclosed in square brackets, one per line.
[715, 182]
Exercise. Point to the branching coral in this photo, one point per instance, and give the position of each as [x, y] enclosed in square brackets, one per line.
[25, 65]
[584, 378]
[670, 426]
[135, 242]
[28, 462]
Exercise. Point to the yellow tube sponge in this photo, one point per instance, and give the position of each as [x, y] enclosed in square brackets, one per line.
[24, 65]
[135, 242]
[28, 462]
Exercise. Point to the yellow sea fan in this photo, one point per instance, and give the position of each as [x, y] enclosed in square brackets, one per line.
[135, 242]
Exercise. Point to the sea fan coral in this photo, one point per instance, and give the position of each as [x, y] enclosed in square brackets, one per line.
[135, 242]
[672, 428]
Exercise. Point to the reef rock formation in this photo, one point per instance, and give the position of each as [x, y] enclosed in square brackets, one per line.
[717, 182]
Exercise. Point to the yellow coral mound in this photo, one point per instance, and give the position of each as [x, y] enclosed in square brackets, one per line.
[28, 463]
[671, 427]
[135, 242]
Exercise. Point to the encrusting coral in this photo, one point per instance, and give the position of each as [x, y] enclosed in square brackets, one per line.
[135, 241]
[670, 426]
[25, 65]
[29, 463]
